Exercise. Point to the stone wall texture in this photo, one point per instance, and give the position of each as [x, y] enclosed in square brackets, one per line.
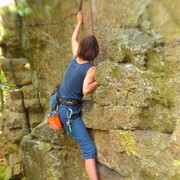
[133, 116]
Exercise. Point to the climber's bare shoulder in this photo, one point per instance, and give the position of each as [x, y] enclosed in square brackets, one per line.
[89, 84]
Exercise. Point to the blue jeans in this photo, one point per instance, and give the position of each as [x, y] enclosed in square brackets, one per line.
[78, 130]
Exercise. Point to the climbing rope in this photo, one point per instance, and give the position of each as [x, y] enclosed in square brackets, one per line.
[91, 17]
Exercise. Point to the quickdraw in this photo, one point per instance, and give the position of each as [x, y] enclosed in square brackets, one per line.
[68, 123]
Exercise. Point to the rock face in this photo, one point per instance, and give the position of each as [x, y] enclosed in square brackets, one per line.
[133, 117]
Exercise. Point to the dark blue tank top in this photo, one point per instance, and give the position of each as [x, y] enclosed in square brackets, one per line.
[72, 83]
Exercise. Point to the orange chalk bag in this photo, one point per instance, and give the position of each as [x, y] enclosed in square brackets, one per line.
[53, 117]
[54, 120]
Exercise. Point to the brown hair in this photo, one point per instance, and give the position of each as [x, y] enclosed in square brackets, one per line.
[88, 48]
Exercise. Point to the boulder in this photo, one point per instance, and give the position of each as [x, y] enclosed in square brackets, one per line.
[107, 173]
[35, 118]
[130, 45]
[140, 151]
[15, 120]
[33, 105]
[62, 157]
[15, 105]
[163, 17]
[23, 75]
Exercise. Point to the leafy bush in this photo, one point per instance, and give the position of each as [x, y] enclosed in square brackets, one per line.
[2, 171]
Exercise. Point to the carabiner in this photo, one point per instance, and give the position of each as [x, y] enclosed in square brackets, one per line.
[68, 131]
[69, 114]
[68, 127]
[68, 123]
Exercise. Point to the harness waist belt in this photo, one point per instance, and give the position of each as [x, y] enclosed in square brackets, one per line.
[70, 102]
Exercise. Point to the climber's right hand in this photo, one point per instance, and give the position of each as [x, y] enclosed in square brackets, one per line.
[79, 17]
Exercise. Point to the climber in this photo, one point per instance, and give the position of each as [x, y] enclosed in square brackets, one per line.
[79, 81]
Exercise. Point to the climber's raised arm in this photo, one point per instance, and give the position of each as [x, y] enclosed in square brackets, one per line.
[74, 38]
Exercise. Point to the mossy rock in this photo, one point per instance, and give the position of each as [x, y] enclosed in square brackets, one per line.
[130, 45]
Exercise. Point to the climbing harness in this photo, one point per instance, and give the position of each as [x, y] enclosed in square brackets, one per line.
[91, 16]
[69, 102]
[54, 119]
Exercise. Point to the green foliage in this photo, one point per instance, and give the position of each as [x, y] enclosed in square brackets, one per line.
[7, 34]
[2, 31]
[47, 8]
[2, 171]
[2, 78]
[39, 14]
[5, 86]
[6, 153]
[23, 9]
[8, 173]
[3, 83]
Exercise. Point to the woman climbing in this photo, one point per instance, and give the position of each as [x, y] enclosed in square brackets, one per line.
[79, 81]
